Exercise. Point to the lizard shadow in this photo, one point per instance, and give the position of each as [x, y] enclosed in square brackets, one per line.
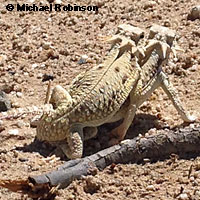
[141, 125]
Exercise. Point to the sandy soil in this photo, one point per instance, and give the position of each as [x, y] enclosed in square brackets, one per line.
[35, 43]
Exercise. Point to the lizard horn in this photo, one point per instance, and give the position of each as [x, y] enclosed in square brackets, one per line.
[164, 48]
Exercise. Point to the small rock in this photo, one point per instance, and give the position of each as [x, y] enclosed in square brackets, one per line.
[195, 183]
[152, 131]
[19, 94]
[4, 102]
[194, 68]
[7, 88]
[197, 193]
[20, 124]
[194, 13]
[17, 88]
[46, 45]
[71, 197]
[1, 126]
[2, 59]
[84, 57]
[23, 159]
[196, 174]
[167, 23]
[183, 196]
[52, 54]
[192, 178]
[82, 61]
[40, 75]
[150, 188]
[15, 104]
[58, 1]
[34, 66]
[64, 52]
[99, 3]
[149, 4]
[13, 132]
[3, 11]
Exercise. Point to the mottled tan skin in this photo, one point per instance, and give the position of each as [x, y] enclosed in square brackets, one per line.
[93, 99]
[157, 52]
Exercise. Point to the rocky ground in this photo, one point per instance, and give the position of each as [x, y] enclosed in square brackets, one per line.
[36, 43]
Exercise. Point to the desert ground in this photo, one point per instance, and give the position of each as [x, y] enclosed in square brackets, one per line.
[63, 44]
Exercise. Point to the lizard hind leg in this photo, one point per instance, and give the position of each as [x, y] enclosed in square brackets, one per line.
[120, 132]
[173, 96]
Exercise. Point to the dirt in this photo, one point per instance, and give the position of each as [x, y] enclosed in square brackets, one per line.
[36, 43]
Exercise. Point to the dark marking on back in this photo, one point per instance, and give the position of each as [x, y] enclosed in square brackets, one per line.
[124, 79]
[117, 69]
[100, 66]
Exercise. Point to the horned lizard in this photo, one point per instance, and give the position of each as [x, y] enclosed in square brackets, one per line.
[93, 98]
[157, 50]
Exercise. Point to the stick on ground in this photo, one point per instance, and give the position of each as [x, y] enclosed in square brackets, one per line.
[181, 141]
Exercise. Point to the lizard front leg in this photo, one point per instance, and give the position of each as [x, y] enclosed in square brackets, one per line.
[73, 148]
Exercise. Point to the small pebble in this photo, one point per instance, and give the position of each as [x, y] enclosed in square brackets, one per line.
[196, 174]
[192, 178]
[23, 159]
[197, 193]
[183, 196]
[194, 13]
[84, 56]
[19, 94]
[150, 188]
[82, 61]
[34, 66]
[149, 4]
[4, 102]
[58, 1]
[40, 75]
[20, 124]
[46, 45]
[2, 59]
[1, 122]
[13, 132]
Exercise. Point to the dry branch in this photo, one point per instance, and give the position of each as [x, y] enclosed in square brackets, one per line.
[180, 141]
